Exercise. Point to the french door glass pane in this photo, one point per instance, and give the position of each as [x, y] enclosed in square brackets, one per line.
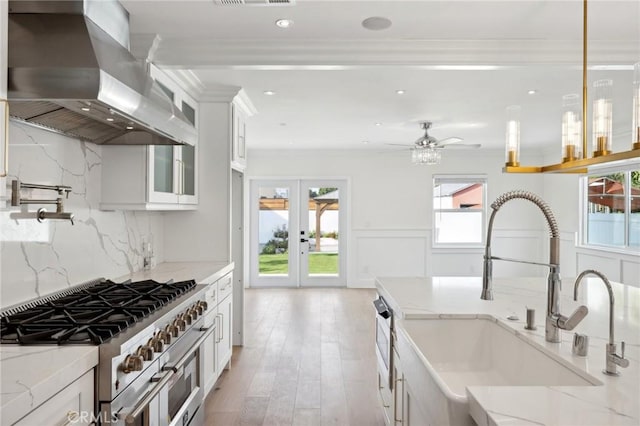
[324, 231]
[273, 231]
[606, 210]
[163, 168]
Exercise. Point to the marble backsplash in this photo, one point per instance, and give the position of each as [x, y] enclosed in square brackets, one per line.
[40, 258]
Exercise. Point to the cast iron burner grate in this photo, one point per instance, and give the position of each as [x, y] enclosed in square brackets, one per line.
[92, 315]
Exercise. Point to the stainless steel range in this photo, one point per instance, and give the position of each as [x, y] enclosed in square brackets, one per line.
[150, 334]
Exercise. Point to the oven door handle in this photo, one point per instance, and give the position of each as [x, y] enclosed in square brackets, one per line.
[139, 408]
[130, 417]
[175, 367]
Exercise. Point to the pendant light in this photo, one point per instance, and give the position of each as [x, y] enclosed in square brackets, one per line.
[575, 158]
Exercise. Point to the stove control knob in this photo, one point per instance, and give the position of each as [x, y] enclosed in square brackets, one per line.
[132, 363]
[170, 331]
[198, 308]
[180, 323]
[165, 335]
[193, 311]
[204, 305]
[146, 352]
[186, 316]
[156, 343]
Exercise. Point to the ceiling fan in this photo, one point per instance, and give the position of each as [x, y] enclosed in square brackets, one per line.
[426, 149]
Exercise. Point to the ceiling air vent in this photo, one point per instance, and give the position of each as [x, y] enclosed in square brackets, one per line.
[255, 2]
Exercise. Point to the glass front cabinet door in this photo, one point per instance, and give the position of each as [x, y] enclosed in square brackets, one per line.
[173, 169]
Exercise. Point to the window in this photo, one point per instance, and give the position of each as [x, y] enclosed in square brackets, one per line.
[611, 216]
[459, 210]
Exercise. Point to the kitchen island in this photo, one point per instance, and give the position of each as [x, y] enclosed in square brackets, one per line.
[615, 402]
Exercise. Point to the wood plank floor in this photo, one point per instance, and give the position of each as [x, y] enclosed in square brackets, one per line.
[308, 359]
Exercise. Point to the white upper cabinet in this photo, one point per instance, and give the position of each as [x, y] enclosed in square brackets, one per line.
[157, 177]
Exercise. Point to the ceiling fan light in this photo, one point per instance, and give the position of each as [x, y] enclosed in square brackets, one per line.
[426, 155]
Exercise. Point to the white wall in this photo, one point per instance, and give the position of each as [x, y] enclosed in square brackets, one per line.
[390, 215]
[40, 258]
[204, 234]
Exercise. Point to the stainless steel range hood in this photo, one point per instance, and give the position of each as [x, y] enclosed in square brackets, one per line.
[70, 71]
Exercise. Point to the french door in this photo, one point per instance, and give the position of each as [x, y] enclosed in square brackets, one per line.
[298, 233]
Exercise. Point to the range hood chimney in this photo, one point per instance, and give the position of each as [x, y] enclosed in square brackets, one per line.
[70, 71]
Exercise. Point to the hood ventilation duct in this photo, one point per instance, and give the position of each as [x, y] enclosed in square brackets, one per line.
[70, 71]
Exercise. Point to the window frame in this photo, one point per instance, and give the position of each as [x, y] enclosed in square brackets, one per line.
[458, 178]
[584, 206]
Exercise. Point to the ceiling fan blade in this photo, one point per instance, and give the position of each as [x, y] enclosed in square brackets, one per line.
[448, 141]
[462, 146]
[400, 144]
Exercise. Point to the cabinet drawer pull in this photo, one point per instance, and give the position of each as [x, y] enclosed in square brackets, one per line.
[72, 417]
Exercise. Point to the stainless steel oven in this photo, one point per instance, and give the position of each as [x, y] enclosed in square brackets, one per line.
[384, 352]
[169, 393]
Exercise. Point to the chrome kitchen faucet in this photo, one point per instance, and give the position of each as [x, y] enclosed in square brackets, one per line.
[554, 320]
[613, 359]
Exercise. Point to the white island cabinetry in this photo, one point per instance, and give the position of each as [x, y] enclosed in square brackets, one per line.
[158, 177]
[434, 386]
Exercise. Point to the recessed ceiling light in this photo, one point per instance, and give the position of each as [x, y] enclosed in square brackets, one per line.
[269, 92]
[378, 124]
[532, 92]
[376, 23]
[110, 119]
[284, 23]
[129, 127]
[400, 92]
[85, 109]
[365, 142]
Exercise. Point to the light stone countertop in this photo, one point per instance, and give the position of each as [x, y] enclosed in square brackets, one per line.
[616, 402]
[30, 375]
[33, 374]
[201, 272]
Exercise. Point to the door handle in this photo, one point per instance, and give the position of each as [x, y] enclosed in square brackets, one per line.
[304, 240]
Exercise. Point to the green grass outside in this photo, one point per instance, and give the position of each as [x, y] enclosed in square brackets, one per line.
[319, 263]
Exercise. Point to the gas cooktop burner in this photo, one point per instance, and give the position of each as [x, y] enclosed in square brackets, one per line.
[91, 315]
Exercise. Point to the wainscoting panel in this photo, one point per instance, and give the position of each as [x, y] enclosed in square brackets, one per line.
[568, 259]
[631, 272]
[387, 252]
[604, 263]
[409, 252]
[530, 245]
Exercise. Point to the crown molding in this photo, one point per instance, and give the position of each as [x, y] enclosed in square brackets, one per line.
[269, 54]
[243, 101]
[188, 81]
[224, 93]
[219, 93]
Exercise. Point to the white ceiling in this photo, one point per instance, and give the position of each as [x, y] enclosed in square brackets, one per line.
[460, 62]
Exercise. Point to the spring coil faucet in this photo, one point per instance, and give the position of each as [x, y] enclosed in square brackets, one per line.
[554, 320]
